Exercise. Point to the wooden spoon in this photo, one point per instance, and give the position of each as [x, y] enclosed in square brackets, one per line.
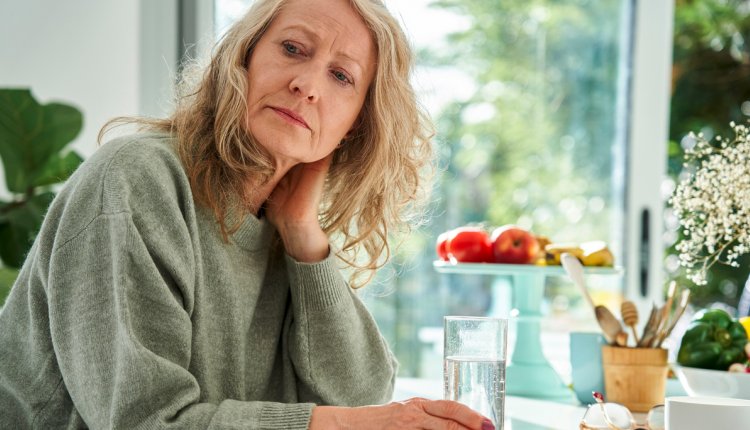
[607, 321]
[621, 339]
[574, 269]
[610, 325]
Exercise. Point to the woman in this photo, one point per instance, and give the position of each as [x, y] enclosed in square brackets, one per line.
[184, 276]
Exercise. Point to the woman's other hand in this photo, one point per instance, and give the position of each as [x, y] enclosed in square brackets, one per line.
[415, 413]
[293, 209]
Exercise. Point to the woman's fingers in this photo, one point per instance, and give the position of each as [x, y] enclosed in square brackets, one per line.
[311, 178]
[435, 423]
[298, 194]
[457, 412]
[412, 414]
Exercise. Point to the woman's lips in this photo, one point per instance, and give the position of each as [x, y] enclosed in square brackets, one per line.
[291, 117]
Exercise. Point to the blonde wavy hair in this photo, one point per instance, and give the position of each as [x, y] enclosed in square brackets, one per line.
[378, 181]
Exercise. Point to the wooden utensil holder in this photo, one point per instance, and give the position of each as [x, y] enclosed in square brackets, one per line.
[635, 377]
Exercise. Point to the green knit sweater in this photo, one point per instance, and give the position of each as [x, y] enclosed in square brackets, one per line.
[131, 312]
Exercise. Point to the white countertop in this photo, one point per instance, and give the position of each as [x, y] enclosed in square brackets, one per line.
[520, 413]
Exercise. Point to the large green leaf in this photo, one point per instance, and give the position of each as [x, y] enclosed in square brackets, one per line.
[7, 278]
[19, 224]
[31, 135]
[58, 169]
[12, 244]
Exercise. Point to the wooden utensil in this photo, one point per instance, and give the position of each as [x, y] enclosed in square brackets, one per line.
[653, 331]
[666, 311]
[607, 321]
[670, 295]
[650, 328]
[610, 324]
[621, 339]
[574, 269]
[630, 317]
[684, 300]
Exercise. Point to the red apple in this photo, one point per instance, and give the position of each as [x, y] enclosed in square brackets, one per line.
[469, 245]
[440, 246]
[513, 245]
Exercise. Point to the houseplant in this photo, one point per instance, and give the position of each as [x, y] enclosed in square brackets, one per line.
[33, 141]
[712, 202]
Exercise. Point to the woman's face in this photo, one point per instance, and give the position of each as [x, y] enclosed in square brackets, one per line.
[308, 77]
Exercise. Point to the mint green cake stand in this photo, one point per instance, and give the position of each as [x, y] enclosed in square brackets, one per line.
[528, 374]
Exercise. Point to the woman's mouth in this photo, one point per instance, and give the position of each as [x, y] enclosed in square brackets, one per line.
[291, 117]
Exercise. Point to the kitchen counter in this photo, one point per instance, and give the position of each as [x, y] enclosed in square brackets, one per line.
[520, 413]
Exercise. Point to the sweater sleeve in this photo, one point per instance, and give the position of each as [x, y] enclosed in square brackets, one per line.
[121, 328]
[336, 347]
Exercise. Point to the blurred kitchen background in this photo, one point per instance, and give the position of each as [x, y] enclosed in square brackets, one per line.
[567, 118]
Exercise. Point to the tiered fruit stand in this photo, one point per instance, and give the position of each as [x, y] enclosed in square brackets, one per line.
[528, 373]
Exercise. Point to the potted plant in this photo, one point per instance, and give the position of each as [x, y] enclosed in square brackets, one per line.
[33, 141]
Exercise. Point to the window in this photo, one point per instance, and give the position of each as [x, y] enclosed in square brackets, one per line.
[531, 132]
[226, 12]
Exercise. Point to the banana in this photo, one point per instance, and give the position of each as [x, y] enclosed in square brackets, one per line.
[596, 253]
[553, 251]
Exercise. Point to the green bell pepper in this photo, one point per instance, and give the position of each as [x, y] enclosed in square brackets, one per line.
[713, 341]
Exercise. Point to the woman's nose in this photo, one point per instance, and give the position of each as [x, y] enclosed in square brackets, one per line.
[306, 84]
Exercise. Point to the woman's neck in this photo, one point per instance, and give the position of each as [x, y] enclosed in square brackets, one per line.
[257, 192]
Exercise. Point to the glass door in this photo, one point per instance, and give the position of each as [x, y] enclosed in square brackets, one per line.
[531, 105]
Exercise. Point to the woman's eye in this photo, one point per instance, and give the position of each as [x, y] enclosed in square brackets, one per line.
[290, 48]
[341, 77]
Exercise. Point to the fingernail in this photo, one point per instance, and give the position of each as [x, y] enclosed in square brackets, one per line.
[487, 425]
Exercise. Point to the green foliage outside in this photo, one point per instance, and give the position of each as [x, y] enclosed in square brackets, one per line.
[525, 148]
[711, 87]
[532, 61]
[33, 138]
[528, 148]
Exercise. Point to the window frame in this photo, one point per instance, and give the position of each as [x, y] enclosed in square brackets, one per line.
[648, 134]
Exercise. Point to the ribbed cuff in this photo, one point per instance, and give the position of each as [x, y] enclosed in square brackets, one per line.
[235, 414]
[319, 285]
[286, 416]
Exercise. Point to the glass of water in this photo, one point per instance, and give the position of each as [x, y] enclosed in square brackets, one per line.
[474, 355]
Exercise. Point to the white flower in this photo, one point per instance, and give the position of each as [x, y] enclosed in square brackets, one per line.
[712, 202]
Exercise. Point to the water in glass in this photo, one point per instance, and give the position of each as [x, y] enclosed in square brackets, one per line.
[478, 383]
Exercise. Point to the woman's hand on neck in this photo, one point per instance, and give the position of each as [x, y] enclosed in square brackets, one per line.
[293, 206]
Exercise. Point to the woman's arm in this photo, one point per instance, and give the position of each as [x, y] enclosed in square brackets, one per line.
[99, 327]
[334, 343]
[412, 414]
[122, 331]
[336, 347]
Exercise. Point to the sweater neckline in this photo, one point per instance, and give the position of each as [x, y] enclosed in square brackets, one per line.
[254, 233]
